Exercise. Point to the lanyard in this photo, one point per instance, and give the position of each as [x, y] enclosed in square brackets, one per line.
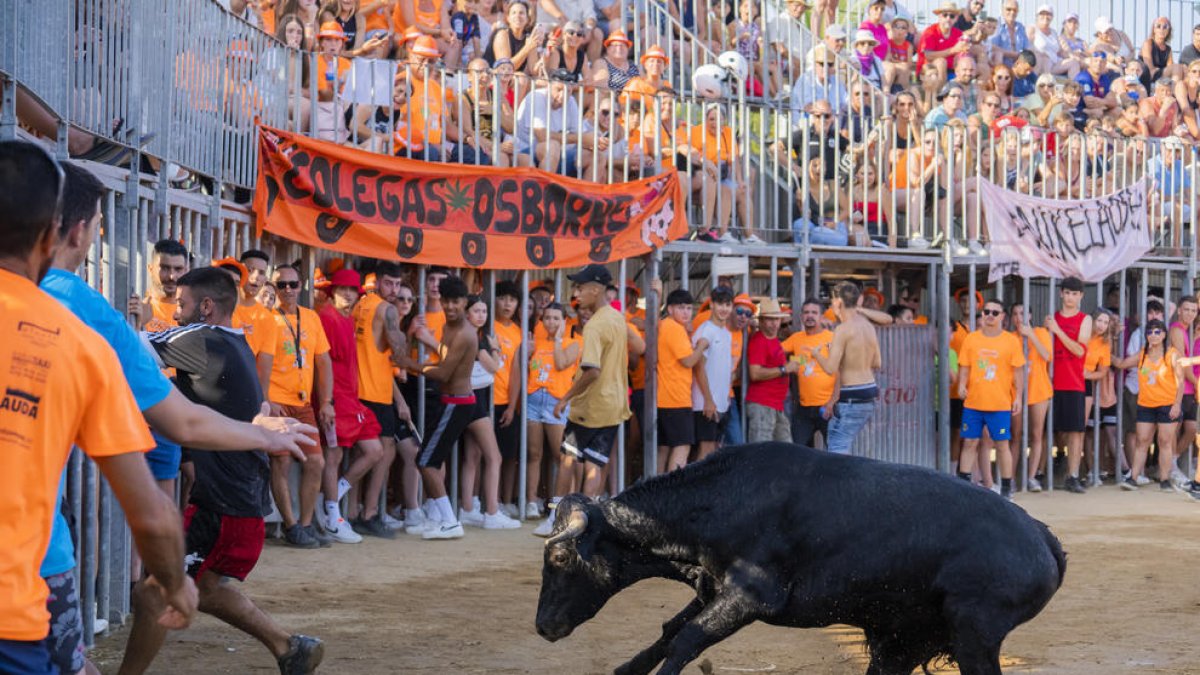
[295, 335]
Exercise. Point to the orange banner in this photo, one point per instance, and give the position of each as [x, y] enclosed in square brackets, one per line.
[352, 201]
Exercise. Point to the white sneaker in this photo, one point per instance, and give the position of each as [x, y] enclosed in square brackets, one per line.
[1177, 477]
[343, 533]
[499, 521]
[391, 523]
[918, 243]
[545, 527]
[1034, 485]
[532, 510]
[976, 248]
[419, 524]
[444, 531]
[1143, 480]
[473, 518]
[753, 239]
[995, 488]
[510, 510]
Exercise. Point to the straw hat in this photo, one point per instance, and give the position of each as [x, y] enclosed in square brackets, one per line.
[947, 7]
[332, 30]
[770, 309]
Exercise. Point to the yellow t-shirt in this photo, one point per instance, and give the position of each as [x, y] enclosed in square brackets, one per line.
[816, 385]
[258, 326]
[62, 385]
[542, 372]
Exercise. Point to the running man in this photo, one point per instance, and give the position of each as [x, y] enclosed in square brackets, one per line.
[855, 357]
[62, 386]
[597, 397]
[818, 389]
[224, 520]
[1071, 329]
[447, 416]
[988, 363]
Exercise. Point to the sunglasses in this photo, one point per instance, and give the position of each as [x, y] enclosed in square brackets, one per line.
[992, 312]
[287, 284]
[605, 113]
[404, 298]
[821, 115]
[743, 312]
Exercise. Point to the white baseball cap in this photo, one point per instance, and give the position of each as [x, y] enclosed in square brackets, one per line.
[1046, 9]
[1103, 24]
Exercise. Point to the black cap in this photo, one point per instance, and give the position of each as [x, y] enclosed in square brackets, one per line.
[1072, 284]
[597, 274]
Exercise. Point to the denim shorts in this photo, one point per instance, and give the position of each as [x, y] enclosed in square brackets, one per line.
[541, 408]
[819, 235]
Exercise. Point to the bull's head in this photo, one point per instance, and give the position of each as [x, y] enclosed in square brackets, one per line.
[580, 569]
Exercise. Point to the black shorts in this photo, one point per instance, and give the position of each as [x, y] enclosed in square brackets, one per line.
[509, 437]
[1069, 407]
[1159, 415]
[637, 403]
[709, 430]
[956, 408]
[385, 414]
[589, 444]
[675, 427]
[483, 404]
[446, 418]
[1189, 408]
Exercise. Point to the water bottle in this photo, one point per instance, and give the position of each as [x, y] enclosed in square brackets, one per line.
[330, 434]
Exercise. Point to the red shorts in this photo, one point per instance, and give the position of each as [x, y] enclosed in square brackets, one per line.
[355, 422]
[303, 413]
[225, 545]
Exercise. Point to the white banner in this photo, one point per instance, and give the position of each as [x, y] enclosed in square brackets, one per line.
[1085, 238]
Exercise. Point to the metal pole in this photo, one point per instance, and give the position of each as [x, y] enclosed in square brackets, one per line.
[650, 429]
[943, 321]
[1051, 442]
[523, 458]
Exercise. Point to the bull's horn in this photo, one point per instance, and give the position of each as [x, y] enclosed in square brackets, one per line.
[577, 524]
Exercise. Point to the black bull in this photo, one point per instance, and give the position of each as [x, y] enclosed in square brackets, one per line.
[926, 565]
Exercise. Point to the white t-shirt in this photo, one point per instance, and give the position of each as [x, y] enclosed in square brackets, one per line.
[718, 365]
[535, 112]
[1133, 348]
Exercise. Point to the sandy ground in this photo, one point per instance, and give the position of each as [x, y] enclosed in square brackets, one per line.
[410, 606]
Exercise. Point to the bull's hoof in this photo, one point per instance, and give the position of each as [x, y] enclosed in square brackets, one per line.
[632, 667]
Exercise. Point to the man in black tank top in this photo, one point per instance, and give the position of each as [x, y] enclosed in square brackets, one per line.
[224, 517]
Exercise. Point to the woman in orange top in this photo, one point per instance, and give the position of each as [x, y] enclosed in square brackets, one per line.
[715, 142]
[913, 176]
[1037, 345]
[1159, 404]
[552, 363]
[1097, 369]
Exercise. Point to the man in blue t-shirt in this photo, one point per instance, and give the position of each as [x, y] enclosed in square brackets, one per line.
[161, 404]
[1096, 81]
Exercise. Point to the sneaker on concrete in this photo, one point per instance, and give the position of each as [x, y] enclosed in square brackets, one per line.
[344, 534]
[1143, 480]
[1192, 489]
[1178, 477]
[545, 527]
[303, 656]
[1129, 485]
[499, 521]
[321, 535]
[375, 527]
[299, 537]
[391, 523]
[1034, 485]
[471, 518]
[422, 526]
[1073, 484]
[444, 531]
[1165, 486]
[532, 510]
[510, 510]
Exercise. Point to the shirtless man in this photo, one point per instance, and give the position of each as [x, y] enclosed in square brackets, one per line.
[447, 417]
[853, 356]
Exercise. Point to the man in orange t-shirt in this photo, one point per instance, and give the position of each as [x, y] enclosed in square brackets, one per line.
[988, 361]
[62, 385]
[301, 360]
[676, 358]
[818, 389]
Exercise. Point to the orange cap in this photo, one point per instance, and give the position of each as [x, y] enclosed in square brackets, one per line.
[874, 292]
[235, 265]
[333, 30]
[978, 297]
[744, 300]
[425, 46]
[655, 52]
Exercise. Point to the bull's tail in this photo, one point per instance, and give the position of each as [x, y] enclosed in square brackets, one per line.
[1056, 550]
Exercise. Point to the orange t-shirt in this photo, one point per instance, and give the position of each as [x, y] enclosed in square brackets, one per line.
[716, 149]
[324, 84]
[543, 374]
[293, 368]
[377, 20]
[1156, 380]
[816, 385]
[430, 18]
[162, 316]
[1099, 354]
[637, 374]
[956, 340]
[674, 379]
[739, 339]
[435, 321]
[258, 325]
[901, 175]
[428, 111]
[508, 337]
[374, 366]
[1040, 388]
[63, 385]
[993, 362]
